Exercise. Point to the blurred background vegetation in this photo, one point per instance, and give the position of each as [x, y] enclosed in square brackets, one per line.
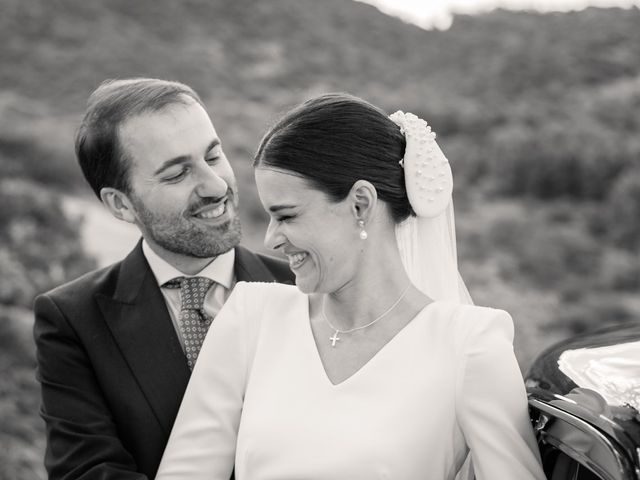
[539, 115]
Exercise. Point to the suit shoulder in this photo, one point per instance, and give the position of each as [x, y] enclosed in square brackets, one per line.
[84, 287]
[278, 267]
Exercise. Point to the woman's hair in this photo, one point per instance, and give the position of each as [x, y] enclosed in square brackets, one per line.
[335, 140]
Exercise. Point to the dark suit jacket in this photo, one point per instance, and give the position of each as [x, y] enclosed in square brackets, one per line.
[112, 370]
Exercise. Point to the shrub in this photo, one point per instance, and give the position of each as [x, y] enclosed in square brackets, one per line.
[623, 211]
[40, 247]
[620, 270]
[552, 161]
[552, 255]
[26, 158]
[546, 254]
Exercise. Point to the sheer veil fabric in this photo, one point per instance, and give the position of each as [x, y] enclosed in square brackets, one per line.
[428, 251]
[427, 241]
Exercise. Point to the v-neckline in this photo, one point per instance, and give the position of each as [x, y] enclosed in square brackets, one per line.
[318, 357]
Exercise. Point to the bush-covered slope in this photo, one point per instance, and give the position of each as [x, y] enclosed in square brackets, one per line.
[538, 113]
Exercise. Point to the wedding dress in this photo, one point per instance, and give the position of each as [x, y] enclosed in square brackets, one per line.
[259, 399]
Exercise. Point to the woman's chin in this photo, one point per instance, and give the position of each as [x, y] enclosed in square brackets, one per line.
[305, 285]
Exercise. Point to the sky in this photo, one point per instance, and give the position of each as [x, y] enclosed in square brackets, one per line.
[437, 13]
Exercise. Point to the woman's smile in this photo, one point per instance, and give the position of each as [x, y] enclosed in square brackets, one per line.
[296, 260]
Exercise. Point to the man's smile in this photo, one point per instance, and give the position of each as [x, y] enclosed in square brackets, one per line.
[211, 211]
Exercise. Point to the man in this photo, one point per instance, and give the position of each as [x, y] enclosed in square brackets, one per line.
[116, 346]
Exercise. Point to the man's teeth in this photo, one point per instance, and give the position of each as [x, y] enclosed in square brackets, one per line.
[215, 213]
[296, 259]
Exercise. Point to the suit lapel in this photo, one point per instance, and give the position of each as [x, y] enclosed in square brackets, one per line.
[140, 323]
[141, 326]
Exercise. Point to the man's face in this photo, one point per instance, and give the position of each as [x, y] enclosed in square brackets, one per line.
[183, 190]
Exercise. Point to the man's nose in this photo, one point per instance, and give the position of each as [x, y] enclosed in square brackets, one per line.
[210, 183]
[274, 238]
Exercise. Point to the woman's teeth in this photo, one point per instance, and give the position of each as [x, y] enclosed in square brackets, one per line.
[215, 213]
[296, 259]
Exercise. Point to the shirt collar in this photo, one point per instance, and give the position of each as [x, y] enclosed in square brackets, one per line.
[220, 270]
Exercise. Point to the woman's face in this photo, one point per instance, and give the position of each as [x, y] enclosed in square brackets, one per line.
[317, 235]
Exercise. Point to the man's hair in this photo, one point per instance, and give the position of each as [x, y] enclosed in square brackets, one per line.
[101, 156]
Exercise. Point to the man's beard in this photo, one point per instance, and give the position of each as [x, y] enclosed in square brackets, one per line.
[179, 235]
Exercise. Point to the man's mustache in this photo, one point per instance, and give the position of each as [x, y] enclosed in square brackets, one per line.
[208, 201]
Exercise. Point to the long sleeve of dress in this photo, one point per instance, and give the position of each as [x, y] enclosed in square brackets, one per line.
[491, 400]
[203, 439]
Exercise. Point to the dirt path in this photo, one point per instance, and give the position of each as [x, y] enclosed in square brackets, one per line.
[105, 237]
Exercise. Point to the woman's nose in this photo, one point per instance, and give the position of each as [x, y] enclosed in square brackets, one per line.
[274, 238]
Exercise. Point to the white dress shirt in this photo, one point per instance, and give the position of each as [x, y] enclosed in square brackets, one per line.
[219, 270]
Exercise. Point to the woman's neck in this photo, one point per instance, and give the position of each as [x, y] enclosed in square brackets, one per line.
[379, 282]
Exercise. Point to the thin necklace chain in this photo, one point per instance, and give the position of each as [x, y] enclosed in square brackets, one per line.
[380, 317]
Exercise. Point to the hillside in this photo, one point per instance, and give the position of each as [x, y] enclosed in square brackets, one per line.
[538, 113]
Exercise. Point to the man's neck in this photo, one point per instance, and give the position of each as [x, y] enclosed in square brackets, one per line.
[185, 263]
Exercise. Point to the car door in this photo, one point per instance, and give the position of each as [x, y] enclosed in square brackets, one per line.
[574, 447]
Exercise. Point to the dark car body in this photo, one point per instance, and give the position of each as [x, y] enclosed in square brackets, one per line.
[584, 431]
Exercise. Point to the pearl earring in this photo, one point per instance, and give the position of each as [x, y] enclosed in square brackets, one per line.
[363, 232]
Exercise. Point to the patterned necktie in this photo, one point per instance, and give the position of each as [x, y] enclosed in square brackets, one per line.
[193, 321]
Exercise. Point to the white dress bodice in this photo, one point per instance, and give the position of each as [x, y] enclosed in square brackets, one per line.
[259, 399]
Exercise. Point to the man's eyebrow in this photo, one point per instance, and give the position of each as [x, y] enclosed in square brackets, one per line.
[171, 163]
[183, 158]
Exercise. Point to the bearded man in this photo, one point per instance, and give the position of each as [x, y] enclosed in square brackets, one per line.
[115, 347]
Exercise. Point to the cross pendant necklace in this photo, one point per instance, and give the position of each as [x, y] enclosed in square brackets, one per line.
[335, 336]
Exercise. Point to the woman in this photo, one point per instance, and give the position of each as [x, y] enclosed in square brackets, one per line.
[372, 367]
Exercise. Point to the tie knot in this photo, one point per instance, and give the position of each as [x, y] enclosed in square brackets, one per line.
[193, 290]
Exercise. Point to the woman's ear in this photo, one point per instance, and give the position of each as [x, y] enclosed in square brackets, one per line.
[118, 204]
[364, 198]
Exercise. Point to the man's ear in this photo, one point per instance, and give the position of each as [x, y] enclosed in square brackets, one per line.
[118, 204]
[364, 197]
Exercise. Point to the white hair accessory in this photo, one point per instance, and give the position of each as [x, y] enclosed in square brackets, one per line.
[427, 242]
[426, 170]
